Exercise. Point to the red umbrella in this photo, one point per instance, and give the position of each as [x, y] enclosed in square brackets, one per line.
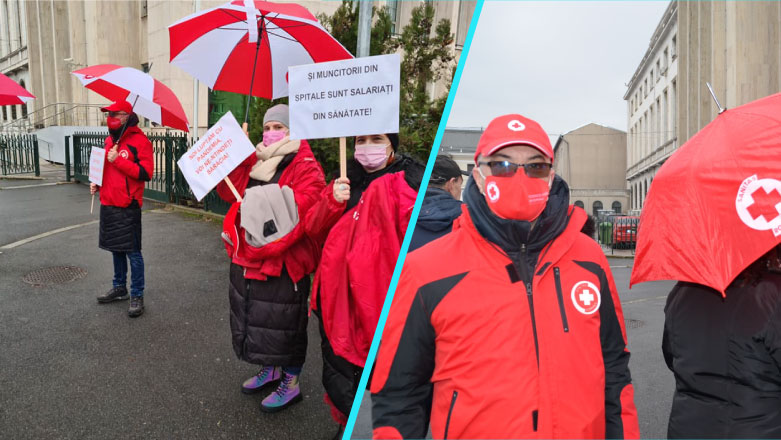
[715, 206]
[12, 93]
[150, 98]
[222, 46]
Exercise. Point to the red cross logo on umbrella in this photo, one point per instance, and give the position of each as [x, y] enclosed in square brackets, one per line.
[759, 204]
[586, 297]
[765, 204]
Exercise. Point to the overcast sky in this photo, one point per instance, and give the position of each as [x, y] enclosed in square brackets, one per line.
[563, 64]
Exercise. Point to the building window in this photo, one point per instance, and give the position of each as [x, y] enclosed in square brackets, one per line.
[674, 47]
[617, 207]
[597, 207]
[674, 111]
[579, 204]
[5, 114]
[658, 69]
[24, 106]
[393, 13]
[463, 24]
[665, 116]
[13, 112]
[469, 168]
[665, 60]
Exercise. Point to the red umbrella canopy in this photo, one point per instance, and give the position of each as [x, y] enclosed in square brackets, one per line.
[715, 206]
[219, 46]
[150, 98]
[12, 93]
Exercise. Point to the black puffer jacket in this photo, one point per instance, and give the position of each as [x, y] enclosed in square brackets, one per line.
[120, 228]
[269, 318]
[726, 356]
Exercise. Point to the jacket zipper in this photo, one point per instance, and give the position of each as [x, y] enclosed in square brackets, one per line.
[127, 187]
[450, 413]
[524, 274]
[557, 276]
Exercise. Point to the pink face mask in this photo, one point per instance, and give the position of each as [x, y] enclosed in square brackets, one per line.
[273, 136]
[371, 156]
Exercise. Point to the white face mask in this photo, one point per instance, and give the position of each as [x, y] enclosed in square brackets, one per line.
[371, 156]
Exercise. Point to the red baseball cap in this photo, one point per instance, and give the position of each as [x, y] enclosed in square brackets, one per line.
[513, 129]
[119, 106]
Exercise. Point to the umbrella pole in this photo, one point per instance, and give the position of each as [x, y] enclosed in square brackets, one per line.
[721, 109]
[245, 125]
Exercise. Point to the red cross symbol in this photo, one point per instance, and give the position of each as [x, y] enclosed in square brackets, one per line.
[764, 204]
[585, 297]
[493, 192]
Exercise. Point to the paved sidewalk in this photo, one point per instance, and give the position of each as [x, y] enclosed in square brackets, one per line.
[71, 368]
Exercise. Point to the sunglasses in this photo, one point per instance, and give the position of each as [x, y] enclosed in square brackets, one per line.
[503, 168]
[115, 114]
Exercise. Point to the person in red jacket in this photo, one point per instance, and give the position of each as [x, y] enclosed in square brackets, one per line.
[510, 326]
[360, 221]
[269, 285]
[129, 163]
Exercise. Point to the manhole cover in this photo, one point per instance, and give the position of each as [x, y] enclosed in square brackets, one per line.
[54, 275]
[634, 323]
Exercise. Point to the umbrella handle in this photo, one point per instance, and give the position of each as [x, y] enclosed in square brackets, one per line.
[245, 128]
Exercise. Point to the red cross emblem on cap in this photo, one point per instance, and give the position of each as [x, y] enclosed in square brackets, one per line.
[586, 297]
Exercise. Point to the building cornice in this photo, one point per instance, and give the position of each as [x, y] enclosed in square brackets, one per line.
[665, 24]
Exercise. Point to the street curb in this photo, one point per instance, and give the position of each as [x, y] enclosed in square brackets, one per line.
[626, 257]
[21, 178]
[194, 211]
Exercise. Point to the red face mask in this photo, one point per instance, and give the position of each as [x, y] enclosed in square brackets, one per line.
[517, 197]
[113, 123]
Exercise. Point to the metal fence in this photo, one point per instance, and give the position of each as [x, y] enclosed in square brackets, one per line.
[19, 154]
[618, 232]
[167, 183]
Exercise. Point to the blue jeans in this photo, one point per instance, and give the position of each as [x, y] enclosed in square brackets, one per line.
[136, 274]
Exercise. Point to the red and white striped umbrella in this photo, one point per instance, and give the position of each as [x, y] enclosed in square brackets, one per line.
[12, 93]
[222, 46]
[150, 98]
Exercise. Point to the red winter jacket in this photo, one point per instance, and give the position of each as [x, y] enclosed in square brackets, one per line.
[295, 250]
[469, 345]
[123, 180]
[358, 259]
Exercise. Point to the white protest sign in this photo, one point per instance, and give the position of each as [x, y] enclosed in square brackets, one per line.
[345, 98]
[97, 158]
[215, 155]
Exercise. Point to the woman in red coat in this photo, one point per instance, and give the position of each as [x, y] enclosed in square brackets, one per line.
[360, 221]
[269, 285]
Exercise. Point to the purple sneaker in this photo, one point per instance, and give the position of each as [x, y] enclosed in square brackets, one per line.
[265, 376]
[286, 394]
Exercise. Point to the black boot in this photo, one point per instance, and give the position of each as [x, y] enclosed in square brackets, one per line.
[136, 306]
[115, 294]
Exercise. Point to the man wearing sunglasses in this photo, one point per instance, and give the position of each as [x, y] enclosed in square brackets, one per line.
[129, 165]
[510, 326]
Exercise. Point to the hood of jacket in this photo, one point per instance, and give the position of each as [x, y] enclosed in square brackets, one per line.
[438, 210]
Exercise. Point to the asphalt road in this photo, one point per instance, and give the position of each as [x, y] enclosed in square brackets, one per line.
[644, 317]
[71, 368]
